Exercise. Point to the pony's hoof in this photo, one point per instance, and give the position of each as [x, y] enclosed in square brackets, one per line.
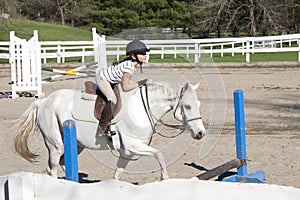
[48, 170]
[164, 177]
[52, 173]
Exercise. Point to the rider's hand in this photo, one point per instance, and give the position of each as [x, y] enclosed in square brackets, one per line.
[142, 83]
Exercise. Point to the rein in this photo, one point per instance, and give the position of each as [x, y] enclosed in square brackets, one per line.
[151, 116]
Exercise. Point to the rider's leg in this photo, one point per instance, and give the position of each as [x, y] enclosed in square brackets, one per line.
[108, 110]
[106, 89]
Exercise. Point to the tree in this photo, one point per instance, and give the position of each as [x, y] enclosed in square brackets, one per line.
[62, 6]
[8, 8]
[199, 18]
[235, 16]
[111, 17]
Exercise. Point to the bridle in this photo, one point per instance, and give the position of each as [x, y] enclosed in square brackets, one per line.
[184, 122]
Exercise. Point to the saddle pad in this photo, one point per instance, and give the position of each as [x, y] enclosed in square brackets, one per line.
[83, 108]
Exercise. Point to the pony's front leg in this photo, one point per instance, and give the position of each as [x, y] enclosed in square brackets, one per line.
[121, 165]
[164, 173]
[145, 150]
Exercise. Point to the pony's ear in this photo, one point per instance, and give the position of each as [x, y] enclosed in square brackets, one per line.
[195, 87]
[183, 89]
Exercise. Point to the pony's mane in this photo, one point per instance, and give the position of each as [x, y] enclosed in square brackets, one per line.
[169, 89]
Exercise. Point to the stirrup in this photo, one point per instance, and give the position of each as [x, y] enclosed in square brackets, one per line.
[109, 133]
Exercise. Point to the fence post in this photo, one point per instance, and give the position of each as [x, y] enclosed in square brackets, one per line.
[247, 51]
[12, 62]
[58, 52]
[222, 47]
[197, 52]
[299, 50]
[70, 150]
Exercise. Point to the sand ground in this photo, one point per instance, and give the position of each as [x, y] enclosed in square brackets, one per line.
[272, 112]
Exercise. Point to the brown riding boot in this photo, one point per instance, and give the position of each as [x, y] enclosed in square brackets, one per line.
[106, 117]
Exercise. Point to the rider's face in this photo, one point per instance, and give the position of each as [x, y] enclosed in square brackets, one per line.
[142, 58]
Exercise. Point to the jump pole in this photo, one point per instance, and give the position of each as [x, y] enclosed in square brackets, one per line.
[74, 72]
[240, 161]
[70, 150]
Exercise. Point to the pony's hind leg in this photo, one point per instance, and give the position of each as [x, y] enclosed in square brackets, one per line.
[54, 143]
[55, 152]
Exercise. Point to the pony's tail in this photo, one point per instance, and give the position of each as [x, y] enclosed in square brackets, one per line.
[27, 125]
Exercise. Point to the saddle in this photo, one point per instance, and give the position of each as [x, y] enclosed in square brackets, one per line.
[101, 100]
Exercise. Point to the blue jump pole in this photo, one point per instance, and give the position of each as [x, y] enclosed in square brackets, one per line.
[240, 131]
[70, 151]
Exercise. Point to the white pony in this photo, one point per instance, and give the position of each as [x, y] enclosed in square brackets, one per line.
[135, 124]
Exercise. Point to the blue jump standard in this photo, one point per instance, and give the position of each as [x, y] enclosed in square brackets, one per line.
[242, 174]
[70, 151]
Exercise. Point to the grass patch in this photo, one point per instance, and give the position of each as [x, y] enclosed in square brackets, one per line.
[258, 57]
[47, 32]
[169, 58]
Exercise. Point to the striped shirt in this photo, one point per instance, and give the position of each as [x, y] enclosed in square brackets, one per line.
[114, 73]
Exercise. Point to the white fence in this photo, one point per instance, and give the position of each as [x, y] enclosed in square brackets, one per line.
[193, 48]
[251, 45]
[26, 58]
[59, 51]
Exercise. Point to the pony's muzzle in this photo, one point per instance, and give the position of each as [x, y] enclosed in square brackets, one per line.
[198, 135]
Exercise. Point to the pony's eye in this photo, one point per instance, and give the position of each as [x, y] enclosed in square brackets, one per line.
[187, 107]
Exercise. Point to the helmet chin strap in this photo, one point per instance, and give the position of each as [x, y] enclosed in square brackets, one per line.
[138, 61]
[141, 68]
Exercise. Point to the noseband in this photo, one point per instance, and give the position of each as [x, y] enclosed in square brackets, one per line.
[184, 122]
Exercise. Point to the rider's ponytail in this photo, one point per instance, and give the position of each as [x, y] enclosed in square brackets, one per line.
[129, 57]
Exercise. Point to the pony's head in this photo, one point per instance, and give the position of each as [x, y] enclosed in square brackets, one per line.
[187, 110]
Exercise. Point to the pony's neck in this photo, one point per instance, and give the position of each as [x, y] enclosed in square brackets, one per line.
[161, 98]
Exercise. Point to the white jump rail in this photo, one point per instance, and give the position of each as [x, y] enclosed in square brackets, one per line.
[4, 50]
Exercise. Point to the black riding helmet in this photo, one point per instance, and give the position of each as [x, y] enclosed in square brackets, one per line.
[136, 47]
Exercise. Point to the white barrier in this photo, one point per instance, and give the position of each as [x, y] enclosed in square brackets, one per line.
[25, 62]
[29, 186]
[25, 59]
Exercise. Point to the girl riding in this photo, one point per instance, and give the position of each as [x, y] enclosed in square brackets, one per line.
[120, 72]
